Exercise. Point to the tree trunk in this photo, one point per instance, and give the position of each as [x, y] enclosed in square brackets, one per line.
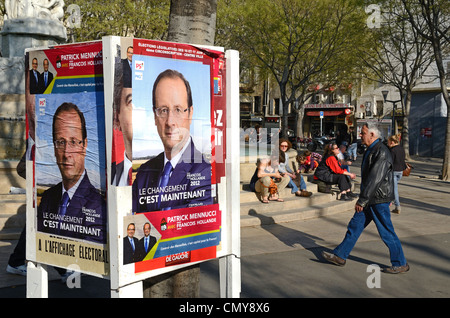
[405, 128]
[192, 21]
[183, 283]
[432, 14]
[440, 66]
[446, 162]
[300, 116]
[284, 119]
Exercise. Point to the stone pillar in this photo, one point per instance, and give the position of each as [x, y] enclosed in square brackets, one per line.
[12, 125]
[17, 35]
[183, 283]
[22, 33]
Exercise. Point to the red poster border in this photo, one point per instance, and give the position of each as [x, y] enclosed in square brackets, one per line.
[216, 61]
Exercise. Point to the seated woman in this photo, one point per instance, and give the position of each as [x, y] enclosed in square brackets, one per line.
[308, 161]
[331, 172]
[285, 170]
[267, 172]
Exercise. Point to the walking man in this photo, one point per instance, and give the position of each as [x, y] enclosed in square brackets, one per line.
[377, 191]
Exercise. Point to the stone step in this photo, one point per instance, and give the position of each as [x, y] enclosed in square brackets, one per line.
[8, 221]
[12, 211]
[248, 165]
[9, 177]
[12, 215]
[10, 233]
[12, 225]
[304, 213]
[253, 212]
[249, 196]
[12, 206]
[13, 197]
[12, 203]
[290, 202]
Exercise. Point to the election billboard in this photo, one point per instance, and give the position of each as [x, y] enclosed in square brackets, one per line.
[128, 142]
[169, 135]
[65, 85]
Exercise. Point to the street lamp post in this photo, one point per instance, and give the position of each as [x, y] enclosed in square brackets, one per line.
[394, 106]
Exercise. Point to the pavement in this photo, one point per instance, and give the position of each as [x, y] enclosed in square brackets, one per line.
[283, 260]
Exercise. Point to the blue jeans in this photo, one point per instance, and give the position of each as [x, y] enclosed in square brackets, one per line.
[294, 187]
[397, 176]
[352, 150]
[381, 215]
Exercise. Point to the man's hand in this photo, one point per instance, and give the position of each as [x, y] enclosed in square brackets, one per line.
[358, 208]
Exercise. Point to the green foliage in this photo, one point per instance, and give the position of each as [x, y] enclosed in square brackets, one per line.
[2, 8]
[140, 18]
[298, 42]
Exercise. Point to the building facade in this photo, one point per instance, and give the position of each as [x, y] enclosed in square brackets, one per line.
[329, 109]
[428, 116]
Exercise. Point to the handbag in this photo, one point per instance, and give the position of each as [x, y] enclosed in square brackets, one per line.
[273, 189]
[407, 171]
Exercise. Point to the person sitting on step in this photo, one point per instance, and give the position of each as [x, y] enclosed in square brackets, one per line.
[285, 170]
[267, 174]
[331, 172]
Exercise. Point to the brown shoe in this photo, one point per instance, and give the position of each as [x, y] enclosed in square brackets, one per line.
[336, 260]
[396, 269]
[396, 210]
[303, 193]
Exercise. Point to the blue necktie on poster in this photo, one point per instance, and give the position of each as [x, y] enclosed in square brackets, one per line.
[165, 178]
[63, 205]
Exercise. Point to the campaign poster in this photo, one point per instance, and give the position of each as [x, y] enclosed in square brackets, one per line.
[70, 157]
[177, 154]
[121, 157]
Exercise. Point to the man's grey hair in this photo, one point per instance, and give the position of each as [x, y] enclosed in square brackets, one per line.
[373, 128]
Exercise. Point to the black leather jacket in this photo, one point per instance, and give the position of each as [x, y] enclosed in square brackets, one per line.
[377, 183]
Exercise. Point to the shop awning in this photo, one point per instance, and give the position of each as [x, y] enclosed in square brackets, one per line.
[314, 113]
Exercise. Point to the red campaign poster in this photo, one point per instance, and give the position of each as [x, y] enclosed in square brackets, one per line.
[71, 160]
[74, 68]
[65, 85]
[178, 153]
[121, 156]
[173, 237]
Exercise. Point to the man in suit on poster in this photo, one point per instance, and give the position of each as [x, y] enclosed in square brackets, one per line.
[126, 65]
[34, 77]
[131, 251]
[147, 242]
[179, 177]
[45, 78]
[72, 208]
[121, 165]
